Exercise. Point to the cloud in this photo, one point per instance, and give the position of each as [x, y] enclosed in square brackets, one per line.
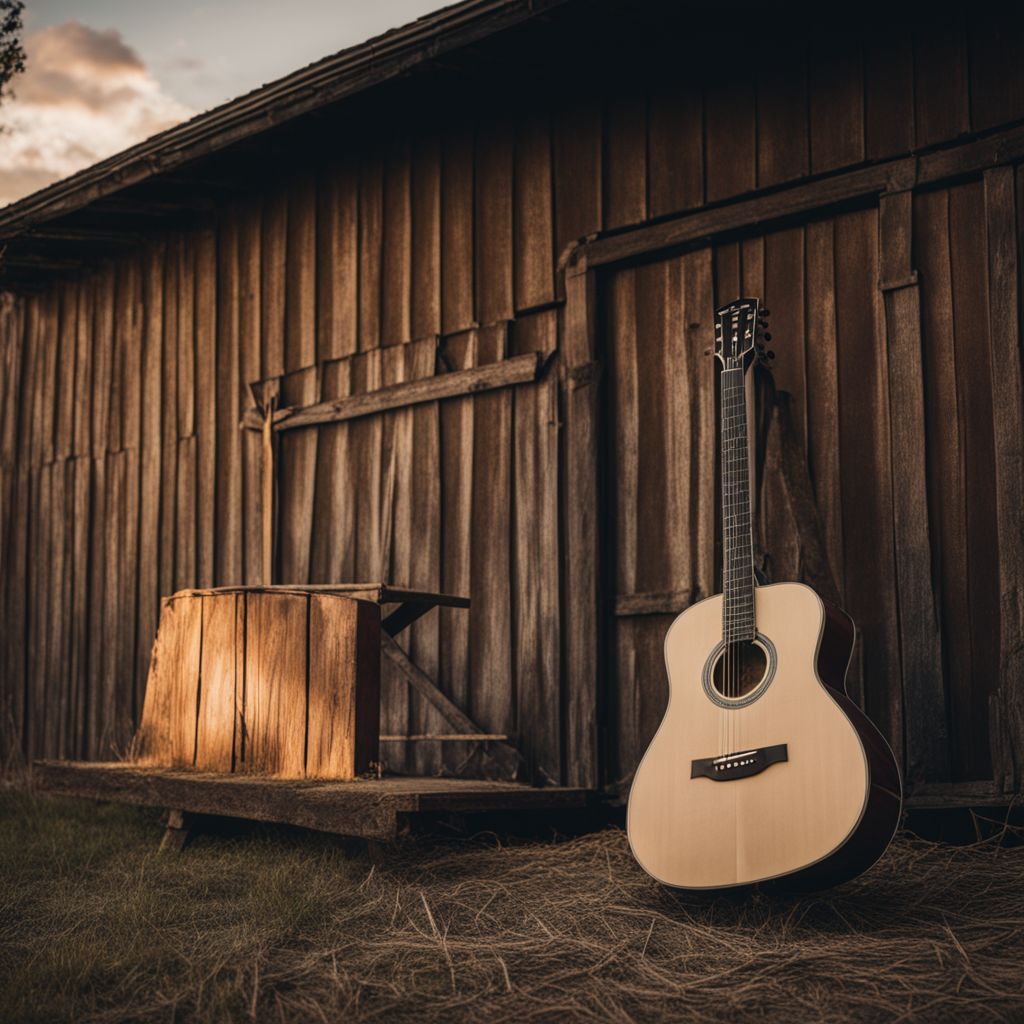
[85, 95]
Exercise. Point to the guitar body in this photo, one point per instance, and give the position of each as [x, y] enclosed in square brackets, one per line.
[783, 777]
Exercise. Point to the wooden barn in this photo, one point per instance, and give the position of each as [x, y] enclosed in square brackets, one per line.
[435, 312]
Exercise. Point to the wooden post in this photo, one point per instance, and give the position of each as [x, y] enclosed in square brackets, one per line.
[924, 693]
[177, 833]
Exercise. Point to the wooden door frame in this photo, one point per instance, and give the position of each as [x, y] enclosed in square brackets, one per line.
[889, 185]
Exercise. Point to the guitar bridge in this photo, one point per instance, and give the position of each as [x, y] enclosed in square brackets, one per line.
[740, 765]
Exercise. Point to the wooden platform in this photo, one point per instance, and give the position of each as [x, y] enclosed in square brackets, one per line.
[367, 808]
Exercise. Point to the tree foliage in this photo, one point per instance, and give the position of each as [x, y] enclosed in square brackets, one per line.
[12, 55]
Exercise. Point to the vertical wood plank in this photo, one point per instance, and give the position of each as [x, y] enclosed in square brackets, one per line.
[396, 513]
[103, 342]
[227, 521]
[946, 474]
[1008, 437]
[169, 420]
[396, 266]
[371, 205]
[823, 389]
[457, 253]
[534, 216]
[344, 687]
[426, 237]
[332, 558]
[493, 248]
[297, 478]
[535, 559]
[456, 472]
[888, 95]
[577, 132]
[783, 145]
[251, 371]
[698, 309]
[927, 754]
[274, 710]
[730, 131]
[273, 249]
[867, 473]
[167, 734]
[150, 464]
[971, 325]
[424, 558]
[491, 701]
[66, 374]
[836, 110]
[364, 452]
[582, 538]
[208, 468]
[940, 82]
[337, 260]
[995, 44]
[625, 163]
[675, 149]
[218, 681]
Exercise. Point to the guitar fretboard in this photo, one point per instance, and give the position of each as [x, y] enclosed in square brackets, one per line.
[737, 553]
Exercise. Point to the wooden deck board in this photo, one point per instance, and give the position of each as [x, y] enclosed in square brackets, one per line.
[368, 808]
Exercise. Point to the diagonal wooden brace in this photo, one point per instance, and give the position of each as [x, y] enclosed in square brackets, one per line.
[504, 755]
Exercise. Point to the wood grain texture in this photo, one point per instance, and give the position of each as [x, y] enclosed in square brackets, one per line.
[624, 175]
[371, 808]
[497, 160]
[274, 706]
[1007, 389]
[221, 669]
[344, 687]
[927, 755]
[167, 733]
[457, 235]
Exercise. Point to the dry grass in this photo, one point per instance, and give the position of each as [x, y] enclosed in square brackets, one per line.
[96, 926]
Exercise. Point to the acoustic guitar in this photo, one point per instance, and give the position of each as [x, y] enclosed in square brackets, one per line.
[763, 767]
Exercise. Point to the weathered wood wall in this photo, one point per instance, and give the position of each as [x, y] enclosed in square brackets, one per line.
[125, 475]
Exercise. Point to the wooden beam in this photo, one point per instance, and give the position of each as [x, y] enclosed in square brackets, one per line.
[828, 191]
[517, 370]
[507, 758]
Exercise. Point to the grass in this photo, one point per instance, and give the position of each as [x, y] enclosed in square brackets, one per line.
[96, 925]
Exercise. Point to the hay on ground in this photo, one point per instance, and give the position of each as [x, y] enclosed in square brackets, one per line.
[559, 931]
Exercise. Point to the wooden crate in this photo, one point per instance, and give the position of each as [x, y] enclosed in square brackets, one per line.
[277, 682]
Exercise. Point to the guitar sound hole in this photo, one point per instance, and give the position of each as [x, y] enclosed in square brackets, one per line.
[739, 669]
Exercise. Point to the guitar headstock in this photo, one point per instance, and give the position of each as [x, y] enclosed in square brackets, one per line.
[740, 334]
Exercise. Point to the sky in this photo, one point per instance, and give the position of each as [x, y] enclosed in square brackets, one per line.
[105, 74]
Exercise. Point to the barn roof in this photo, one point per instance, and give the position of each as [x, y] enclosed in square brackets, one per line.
[184, 171]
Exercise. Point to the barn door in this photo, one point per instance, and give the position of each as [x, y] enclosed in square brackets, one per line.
[821, 282]
[884, 323]
[660, 482]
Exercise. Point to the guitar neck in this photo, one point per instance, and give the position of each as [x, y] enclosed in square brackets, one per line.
[737, 537]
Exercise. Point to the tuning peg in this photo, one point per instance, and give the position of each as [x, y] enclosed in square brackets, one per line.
[764, 312]
[771, 355]
[767, 336]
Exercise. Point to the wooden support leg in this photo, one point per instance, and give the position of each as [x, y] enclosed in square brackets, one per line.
[177, 833]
